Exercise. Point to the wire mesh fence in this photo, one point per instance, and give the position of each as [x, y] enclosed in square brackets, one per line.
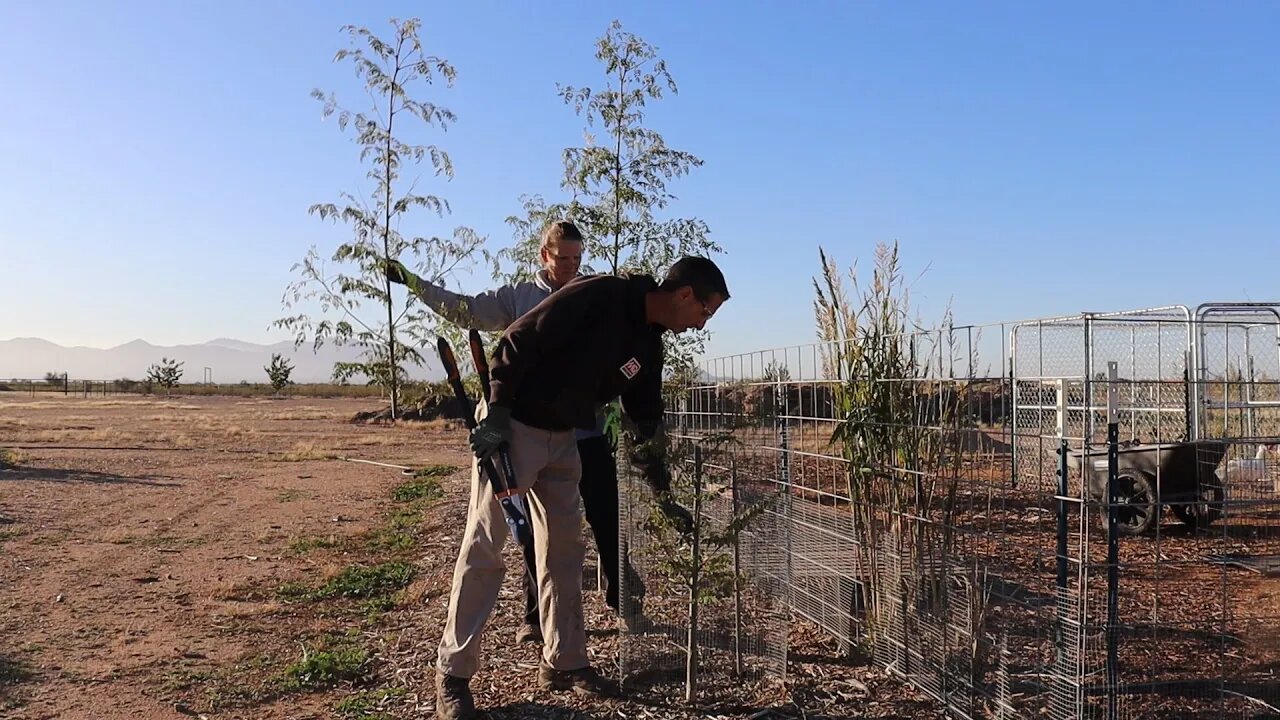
[706, 610]
[1068, 518]
[66, 386]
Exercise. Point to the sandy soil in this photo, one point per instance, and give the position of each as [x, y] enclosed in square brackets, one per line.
[144, 543]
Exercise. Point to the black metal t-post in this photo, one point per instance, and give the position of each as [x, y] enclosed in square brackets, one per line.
[1060, 631]
[1113, 544]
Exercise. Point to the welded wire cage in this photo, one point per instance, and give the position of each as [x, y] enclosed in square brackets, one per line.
[994, 554]
[706, 613]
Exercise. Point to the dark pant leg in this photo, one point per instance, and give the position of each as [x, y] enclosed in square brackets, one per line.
[599, 489]
[531, 616]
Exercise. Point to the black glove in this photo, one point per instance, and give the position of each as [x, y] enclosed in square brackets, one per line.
[656, 442]
[492, 432]
[648, 449]
[653, 470]
[675, 512]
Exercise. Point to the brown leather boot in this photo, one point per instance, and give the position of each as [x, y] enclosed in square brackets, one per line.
[583, 681]
[453, 698]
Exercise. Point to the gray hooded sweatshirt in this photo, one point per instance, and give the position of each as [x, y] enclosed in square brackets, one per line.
[493, 311]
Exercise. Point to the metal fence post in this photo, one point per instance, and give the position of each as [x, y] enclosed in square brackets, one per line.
[737, 567]
[1113, 542]
[1060, 630]
[691, 669]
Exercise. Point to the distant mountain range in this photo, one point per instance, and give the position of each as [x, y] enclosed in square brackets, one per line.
[229, 360]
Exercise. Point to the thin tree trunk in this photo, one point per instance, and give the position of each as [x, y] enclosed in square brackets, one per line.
[386, 246]
[617, 176]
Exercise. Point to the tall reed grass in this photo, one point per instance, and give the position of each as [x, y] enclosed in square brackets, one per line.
[899, 421]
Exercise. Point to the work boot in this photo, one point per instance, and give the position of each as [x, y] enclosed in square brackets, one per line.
[529, 633]
[583, 681]
[453, 698]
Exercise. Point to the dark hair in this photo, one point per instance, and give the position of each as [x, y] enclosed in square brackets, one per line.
[698, 273]
[560, 230]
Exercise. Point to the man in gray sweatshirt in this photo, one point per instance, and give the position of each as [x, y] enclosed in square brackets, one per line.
[494, 310]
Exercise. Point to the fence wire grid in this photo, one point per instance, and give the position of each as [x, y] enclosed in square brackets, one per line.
[1084, 523]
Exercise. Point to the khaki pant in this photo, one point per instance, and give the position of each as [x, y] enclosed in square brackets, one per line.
[547, 471]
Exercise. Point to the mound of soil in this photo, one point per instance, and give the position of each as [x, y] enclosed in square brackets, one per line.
[429, 409]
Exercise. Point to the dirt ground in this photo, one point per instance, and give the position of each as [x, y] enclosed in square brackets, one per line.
[218, 557]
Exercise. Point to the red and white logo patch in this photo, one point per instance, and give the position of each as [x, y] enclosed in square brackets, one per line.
[631, 368]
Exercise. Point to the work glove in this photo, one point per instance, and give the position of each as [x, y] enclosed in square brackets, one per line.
[653, 470]
[680, 518]
[492, 432]
[649, 454]
[650, 458]
[398, 273]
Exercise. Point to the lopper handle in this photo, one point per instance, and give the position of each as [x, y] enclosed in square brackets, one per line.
[481, 362]
[513, 507]
[455, 381]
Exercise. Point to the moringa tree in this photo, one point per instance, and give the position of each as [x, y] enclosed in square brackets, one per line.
[166, 374]
[390, 69]
[278, 372]
[617, 182]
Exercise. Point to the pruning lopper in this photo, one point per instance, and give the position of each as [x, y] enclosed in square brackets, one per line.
[503, 480]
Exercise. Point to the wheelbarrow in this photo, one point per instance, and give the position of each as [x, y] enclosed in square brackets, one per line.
[1150, 476]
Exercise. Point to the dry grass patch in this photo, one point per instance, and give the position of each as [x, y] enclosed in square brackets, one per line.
[118, 535]
[300, 414]
[170, 405]
[156, 402]
[422, 589]
[435, 424]
[165, 418]
[153, 541]
[34, 405]
[376, 440]
[125, 403]
[9, 456]
[291, 495]
[11, 533]
[63, 435]
[225, 429]
[240, 591]
[81, 402]
[305, 451]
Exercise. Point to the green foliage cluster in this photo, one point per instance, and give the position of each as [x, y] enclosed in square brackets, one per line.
[615, 190]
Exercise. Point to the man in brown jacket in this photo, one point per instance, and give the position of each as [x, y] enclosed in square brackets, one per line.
[595, 339]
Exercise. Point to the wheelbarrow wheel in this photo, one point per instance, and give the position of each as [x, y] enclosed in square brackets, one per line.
[1136, 508]
[1203, 510]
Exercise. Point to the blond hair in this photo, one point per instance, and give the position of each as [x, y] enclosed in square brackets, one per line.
[558, 231]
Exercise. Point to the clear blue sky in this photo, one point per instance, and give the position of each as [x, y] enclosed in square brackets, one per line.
[157, 159]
